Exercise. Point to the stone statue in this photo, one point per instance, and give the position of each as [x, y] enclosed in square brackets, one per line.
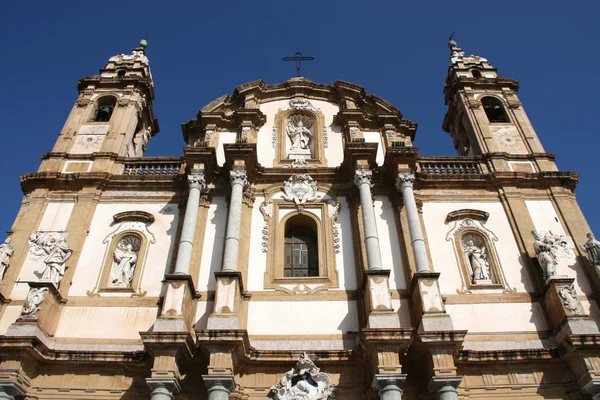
[33, 301]
[544, 251]
[53, 247]
[478, 263]
[6, 252]
[592, 247]
[298, 130]
[123, 268]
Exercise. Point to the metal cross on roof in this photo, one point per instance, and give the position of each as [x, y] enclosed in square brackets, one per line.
[298, 58]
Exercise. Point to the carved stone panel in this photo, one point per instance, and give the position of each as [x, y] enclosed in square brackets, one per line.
[303, 382]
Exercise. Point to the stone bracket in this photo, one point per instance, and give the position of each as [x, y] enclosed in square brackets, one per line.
[47, 317]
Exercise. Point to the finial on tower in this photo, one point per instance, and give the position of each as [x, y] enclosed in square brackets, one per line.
[451, 43]
[144, 41]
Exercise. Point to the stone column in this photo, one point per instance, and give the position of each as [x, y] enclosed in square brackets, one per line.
[389, 386]
[163, 389]
[232, 237]
[218, 386]
[186, 243]
[362, 179]
[405, 184]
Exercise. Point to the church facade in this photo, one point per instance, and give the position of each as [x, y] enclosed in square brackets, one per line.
[300, 248]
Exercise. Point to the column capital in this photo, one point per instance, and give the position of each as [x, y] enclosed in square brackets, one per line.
[12, 389]
[238, 177]
[197, 181]
[444, 383]
[223, 383]
[404, 180]
[164, 386]
[388, 382]
[363, 176]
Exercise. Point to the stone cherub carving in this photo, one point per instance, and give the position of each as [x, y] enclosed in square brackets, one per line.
[479, 267]
[298, 130]
[303, 382]
[34, 299]
[6, 252]
[53, 248]
[124, 262]
[592, 247]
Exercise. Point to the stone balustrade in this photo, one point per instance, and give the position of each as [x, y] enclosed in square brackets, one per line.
[153, 167]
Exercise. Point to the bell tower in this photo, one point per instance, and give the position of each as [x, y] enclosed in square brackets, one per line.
[112, 116]
[485, 116]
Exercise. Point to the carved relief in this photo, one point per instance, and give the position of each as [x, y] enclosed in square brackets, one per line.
[333, 208]
[51, 247]
[265, 238]
[299, 104]
[568, 296]
[300, 188]
[303, 382]
[32, 304]
[274, 137]
[325, 137]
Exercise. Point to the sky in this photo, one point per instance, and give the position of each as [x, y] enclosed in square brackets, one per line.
[200, 50]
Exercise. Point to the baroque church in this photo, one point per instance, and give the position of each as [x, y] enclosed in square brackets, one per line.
[299, 249]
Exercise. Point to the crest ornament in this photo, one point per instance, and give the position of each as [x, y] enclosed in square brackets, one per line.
[300, 188]
[304, 382]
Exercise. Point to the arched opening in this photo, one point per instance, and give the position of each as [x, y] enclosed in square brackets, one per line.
[121, 73]
[301, 249]
[476, 73]
[494, 109]
[104, 108]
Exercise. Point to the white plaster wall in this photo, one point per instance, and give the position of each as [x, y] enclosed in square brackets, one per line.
[158, 255]
[497, 317]
[56, 217]
[105, 322]
[345, 262]
[545, 219]
[389, 242]
[375, 137]
[264, 146]
[442, 253]
[212, 248]
[224, 137]
[258, 259]
[301, 317]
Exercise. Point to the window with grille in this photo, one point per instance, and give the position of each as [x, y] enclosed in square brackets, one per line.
[301, 256]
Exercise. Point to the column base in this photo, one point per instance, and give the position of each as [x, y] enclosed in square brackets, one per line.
[379, 300]
[228, 295]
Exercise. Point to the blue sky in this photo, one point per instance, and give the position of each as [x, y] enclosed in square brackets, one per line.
[395, 49]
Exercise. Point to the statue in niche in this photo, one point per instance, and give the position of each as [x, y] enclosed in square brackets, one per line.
[592, 247]
[479, 267]
[298, 130]
[34, 299]
[53, 248]
[124, 261]
[6, 252]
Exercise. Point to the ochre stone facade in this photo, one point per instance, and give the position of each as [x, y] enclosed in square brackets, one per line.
[300, 248]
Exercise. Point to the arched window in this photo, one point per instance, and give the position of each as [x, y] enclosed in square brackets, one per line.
[476, 73]
[494, 109]
[104, 109]
[301, 251]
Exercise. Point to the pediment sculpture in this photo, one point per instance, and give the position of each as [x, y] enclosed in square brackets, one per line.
[304, 382]
[300, 188]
